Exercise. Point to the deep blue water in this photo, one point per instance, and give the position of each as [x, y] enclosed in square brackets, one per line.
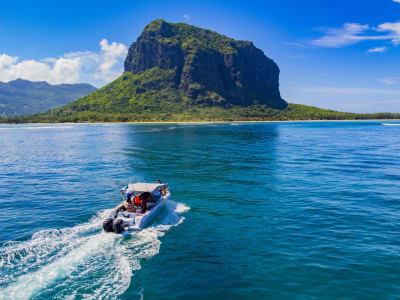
[258, 211]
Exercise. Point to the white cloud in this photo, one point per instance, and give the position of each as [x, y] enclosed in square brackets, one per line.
[61, 70]
[186, 17]
[352, 33]
[344, 36]
[390, 80]
[377, 49]
[6, 60]
[393, 29]
[109, 58]
[96, 68]
[398, 1]
[350, 91]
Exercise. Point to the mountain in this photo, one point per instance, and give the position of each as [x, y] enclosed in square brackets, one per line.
[205, 67]
[24, 97]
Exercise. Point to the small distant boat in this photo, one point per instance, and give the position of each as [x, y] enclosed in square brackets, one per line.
[235, 124]
[142, 203]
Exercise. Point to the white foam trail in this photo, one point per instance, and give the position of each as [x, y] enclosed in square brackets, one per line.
[390, 124]
[79, 261]
[28, 284]
[44, 247]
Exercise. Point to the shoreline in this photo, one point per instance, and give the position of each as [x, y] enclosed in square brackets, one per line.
[205, 122]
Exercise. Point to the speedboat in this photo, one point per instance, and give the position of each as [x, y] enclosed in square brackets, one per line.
[142, 203]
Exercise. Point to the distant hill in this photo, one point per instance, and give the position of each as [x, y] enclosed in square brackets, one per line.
[24, 97]
[179, 72]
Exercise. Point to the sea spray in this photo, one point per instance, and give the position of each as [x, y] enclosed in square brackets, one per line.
[179, 207]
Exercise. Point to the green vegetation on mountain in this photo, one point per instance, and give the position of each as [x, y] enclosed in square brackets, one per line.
[178, 72]
[132, 98]
[23, 97]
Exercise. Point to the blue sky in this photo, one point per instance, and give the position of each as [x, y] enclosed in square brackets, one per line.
[338, 54]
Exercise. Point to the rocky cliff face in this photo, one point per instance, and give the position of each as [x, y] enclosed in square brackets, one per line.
[208, 68]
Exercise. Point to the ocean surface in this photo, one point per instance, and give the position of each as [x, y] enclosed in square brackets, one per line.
[304, 210]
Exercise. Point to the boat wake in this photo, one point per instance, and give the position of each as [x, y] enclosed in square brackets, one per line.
[390, 124]
[81, 261]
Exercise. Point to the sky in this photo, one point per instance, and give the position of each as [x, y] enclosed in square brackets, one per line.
[341, 54]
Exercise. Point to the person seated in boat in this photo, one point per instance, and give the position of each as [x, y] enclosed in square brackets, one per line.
[164, 190]
[130, 207]
[140, 202]
[150, 200]
[127, 205]
[161, 191]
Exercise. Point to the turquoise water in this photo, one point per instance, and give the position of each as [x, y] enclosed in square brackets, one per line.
[274, 210]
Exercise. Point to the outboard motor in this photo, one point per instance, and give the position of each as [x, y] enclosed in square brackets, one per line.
[108, 225]
[118, 226]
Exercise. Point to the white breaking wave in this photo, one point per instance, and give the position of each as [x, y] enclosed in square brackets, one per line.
[390, 124]
[81, 261]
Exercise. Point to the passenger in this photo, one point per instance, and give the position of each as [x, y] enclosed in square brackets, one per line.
[130, 207]
[127, 205]
[147, 196]
[121, 207]
[137, 200]
[141, 202]
[128, 195]
[150, 200]
[144, 204]
[164, 190]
